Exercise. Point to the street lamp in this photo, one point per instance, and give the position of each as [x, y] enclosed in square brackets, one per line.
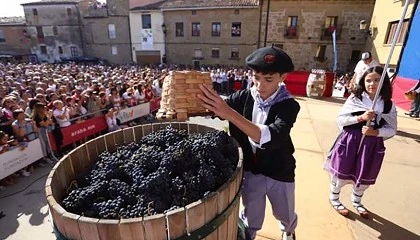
[363, 27]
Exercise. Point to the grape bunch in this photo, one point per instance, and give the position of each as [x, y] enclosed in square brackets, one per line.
[166, 170]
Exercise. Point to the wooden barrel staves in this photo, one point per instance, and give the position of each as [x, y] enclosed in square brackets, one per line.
[211, 218]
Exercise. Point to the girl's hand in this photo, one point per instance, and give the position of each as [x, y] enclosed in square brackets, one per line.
[368, 115]
[369, 131]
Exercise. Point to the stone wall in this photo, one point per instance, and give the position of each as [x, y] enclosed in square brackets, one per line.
[311, 21]
[180, 50]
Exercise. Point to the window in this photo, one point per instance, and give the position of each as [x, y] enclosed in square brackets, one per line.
[35, 11]
[236, 29]
[73, 51]
[215, 29]
[392, 28]
[111, 31]
[236, 11]
[60, 50]
[68, 11]
[40, 33]
[331, 22]
[291, 27]
[179, 29]
[43, 49]
[292, 21]
[55, 30]
[198, 53]
[114, 50]
[195, 29]
[146, 21]
[235, 53]
[2, 38]
[329, 27]
[320, 53]
[194, 12]
[215, 53]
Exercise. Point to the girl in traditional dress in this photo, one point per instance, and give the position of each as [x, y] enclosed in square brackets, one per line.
[361, 168]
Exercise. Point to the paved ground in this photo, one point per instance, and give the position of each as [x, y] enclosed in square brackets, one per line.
[392, 201]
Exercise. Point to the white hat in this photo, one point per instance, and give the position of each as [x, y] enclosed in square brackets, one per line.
[366, 55]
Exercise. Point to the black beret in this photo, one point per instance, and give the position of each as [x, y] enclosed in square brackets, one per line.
[270, 59]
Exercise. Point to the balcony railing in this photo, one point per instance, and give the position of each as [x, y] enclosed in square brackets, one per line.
[326, 33]
[290, 32]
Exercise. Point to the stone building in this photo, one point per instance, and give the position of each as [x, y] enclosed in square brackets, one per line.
[303, 28]
[382, 28]
[14, 40]
[148, 33]
[106, 30]
[54, 29]
[210, 32]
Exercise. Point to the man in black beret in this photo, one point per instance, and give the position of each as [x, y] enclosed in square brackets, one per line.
[260, 119]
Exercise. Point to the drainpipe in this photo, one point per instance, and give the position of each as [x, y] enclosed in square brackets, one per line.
[129, 37]
[259, 24]
[80, 30]
[266, 23]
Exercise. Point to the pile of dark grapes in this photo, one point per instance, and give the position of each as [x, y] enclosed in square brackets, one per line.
[166, 170]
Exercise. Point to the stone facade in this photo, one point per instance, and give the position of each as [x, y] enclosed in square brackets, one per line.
[310, 45]
[95, 31]
[54, 30]
[182, 49]
[14, 40]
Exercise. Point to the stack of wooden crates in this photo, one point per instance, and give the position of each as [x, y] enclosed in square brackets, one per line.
[179, 95]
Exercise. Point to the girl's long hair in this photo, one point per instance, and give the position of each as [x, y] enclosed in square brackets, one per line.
[39, 111]
[386, 90]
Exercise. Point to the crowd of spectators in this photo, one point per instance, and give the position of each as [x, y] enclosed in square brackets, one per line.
[40, 98]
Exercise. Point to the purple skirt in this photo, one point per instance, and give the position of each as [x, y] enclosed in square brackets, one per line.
[362, 168]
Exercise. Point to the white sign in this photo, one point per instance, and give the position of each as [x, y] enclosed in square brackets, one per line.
[132, 113]
[16, 159]
[147, 39]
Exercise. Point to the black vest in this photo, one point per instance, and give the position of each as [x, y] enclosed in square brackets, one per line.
[275, 158]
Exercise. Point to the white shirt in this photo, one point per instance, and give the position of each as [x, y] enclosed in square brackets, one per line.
[361, 68]
[348, 119]
[112, 123]
[139, 97]
[62, 122]
[259, 117]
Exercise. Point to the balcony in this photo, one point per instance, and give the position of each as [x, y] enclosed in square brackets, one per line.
[290, 32]
[326, 33]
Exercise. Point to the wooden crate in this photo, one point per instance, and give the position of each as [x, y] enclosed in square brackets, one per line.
[172, 225]
[179, 95]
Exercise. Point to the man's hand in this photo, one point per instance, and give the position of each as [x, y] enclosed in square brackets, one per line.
[213, 102]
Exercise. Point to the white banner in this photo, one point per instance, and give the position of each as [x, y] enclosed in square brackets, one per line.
[48, 31]
[147, 39]
[132, 113]
[16, 159]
